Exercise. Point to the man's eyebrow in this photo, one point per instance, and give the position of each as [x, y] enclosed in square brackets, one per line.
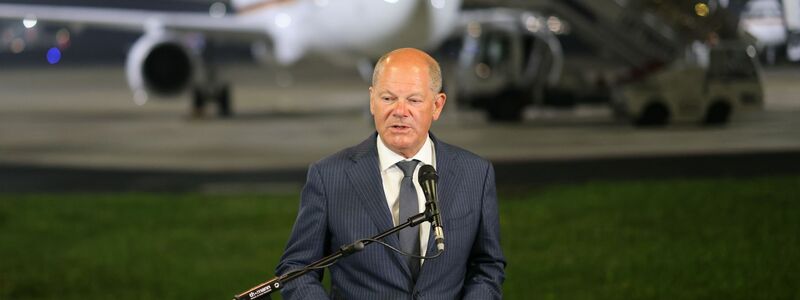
[386, 92]
[413, 94]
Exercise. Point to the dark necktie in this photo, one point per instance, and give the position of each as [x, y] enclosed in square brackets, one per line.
[409, 237]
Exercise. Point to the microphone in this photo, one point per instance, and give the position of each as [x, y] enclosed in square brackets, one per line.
[427, 180]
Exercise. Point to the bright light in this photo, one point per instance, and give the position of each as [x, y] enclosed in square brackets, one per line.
[17, 45]
[283, 20]
[53, 56]
[438, 3]
[532, 24]
[321, 3]
[391, 1]
[29, 21]
[62, 38]
[217, 10]
[701, 9]
[751, 51]
[554, 24]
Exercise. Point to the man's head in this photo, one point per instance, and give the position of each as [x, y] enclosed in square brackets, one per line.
[405, 98]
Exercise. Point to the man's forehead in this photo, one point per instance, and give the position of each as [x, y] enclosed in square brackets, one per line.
[401, 88]
[403, 75]
[404, 68]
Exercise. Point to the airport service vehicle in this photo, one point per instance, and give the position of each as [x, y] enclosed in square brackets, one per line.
[506, 60]
[691, 92]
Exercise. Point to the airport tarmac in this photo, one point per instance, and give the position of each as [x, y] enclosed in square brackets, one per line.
[84, 117]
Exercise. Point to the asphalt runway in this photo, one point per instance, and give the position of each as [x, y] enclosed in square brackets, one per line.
[70, 128]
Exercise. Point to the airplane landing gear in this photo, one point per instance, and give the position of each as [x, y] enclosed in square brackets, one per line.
[219, 94]
[211, 89]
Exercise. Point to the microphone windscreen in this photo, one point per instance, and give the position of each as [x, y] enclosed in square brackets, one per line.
[427, 172]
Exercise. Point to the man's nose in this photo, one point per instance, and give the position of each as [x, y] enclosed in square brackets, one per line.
[400, 108]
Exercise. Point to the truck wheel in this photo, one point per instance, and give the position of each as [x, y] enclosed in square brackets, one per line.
[504, 112]
[506, 107]
[654, 114]
[718, 113]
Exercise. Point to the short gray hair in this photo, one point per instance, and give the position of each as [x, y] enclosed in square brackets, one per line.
[434, 71]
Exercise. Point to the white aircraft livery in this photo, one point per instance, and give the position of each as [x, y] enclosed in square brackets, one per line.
[160, 64]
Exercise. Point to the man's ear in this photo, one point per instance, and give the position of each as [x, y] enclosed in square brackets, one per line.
[438, 105]
[371, 109]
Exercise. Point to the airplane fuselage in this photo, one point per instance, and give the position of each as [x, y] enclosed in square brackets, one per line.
[350, 28]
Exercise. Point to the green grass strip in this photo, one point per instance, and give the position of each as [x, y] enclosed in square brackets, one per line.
[676, 239]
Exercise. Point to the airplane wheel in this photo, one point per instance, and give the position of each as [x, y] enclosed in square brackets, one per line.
[655, 114]
[718, 113]
[223, 98]
[198, 103]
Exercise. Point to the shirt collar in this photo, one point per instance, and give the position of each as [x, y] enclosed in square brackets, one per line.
[389, 158]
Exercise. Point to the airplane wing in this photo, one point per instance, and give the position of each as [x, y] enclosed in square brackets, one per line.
[137, 20]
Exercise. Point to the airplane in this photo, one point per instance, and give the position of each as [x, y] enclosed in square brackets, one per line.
[763, 19]
[161, 64]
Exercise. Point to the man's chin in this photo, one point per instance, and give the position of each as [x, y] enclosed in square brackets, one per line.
[399, 143]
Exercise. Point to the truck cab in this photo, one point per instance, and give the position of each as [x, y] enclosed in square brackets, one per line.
[708, 91]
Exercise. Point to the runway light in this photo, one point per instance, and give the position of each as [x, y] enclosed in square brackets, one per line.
[62, 38]
[53, 56]
[29, 21]
[17, 45]
[217, 10]
[701, 9]
[438, 3]
[283, 20]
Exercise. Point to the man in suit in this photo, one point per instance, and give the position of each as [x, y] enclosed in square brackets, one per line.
[364, 190]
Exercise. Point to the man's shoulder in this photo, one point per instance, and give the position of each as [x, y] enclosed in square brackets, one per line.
[337, 158]
[460, 154]
[348, 154]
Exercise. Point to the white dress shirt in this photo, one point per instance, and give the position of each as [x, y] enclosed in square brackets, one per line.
[392, 176]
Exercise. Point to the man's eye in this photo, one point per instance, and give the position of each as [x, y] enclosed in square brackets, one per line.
[415, 100]
[385, 98]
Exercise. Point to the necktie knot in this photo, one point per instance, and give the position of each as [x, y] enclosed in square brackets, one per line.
[408, 167]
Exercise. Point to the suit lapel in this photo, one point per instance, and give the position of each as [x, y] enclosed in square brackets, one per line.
[365, 176]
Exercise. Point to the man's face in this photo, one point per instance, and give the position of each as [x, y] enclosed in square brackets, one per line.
[404, 106]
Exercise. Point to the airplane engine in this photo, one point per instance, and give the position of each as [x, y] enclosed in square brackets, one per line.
[160, 65]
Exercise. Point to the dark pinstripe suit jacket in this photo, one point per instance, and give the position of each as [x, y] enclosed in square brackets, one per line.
[343, 201]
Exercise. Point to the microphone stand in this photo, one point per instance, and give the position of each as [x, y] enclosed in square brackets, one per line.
[277, 282]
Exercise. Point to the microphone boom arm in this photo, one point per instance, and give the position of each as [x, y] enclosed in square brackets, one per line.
[276, 283]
